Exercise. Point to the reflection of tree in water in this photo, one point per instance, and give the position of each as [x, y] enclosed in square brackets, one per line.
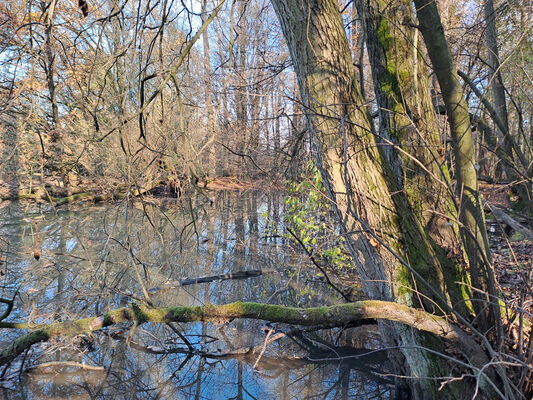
[233, 377]
[100, 258]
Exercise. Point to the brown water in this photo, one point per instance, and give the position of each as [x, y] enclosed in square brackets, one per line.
[96, 258]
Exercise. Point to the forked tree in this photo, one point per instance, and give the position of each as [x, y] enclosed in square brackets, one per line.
[396, 256]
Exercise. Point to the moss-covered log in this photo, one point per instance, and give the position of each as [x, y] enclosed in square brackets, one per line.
[80, 197]
[330, 316]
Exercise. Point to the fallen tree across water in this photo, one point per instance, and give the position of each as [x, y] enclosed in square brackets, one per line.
[326, 317]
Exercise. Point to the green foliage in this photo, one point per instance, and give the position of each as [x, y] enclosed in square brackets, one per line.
[308, 217]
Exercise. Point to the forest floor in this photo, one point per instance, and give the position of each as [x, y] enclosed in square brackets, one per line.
[513, 265]
[512, 255]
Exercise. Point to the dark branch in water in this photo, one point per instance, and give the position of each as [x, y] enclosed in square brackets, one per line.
[207, 279]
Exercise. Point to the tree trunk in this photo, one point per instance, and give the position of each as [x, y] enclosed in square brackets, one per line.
[408, 131]
[359, 179]
[517, 168]
[208, 89]
[49, 55]
[495, 76]
[241, 98]
[470, 211]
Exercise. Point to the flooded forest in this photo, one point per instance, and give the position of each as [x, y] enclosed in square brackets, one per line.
[266, 199]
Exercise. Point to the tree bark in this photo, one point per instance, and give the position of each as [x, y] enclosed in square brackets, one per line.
[470, 211]
[344, 144]
[327, 317]
[359, 179]
[241, 98]
[208, 89]
[408, 132]
[49, 55]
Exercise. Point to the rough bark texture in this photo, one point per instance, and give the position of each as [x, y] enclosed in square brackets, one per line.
[346, 150]
[407, 116]
[470, 211]
[359, 180]
[320, 53]
[408, 121]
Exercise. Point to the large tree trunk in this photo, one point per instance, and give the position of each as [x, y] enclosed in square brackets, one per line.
[470, 211]
[359, 180]
[408, 131]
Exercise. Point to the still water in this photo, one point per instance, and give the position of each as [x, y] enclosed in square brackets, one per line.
[96, 258]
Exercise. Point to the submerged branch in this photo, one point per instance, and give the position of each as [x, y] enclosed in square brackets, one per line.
[207, 279]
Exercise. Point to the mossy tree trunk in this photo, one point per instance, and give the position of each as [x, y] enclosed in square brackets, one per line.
[357, 175]
[408, 131]
[361, 312]
[361, 181]
[470, 211]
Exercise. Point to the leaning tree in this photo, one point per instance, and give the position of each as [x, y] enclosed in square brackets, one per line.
[370, 175]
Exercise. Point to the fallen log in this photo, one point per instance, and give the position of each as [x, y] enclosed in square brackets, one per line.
[81, 197]
[120, 193]
[506, 219]
[207, 279]
[58, 201]
[326, 317]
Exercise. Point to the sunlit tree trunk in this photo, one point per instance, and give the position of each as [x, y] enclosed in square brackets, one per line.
[223, 162]
[360, 181]
[470, 211]
[408, 132]
[208, 89]
[277, 134]
[49, 64]
[241, 98]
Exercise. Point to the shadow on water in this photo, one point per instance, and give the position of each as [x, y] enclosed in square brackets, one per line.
[96, 258]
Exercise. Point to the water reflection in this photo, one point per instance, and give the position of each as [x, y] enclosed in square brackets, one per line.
[95, 258]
